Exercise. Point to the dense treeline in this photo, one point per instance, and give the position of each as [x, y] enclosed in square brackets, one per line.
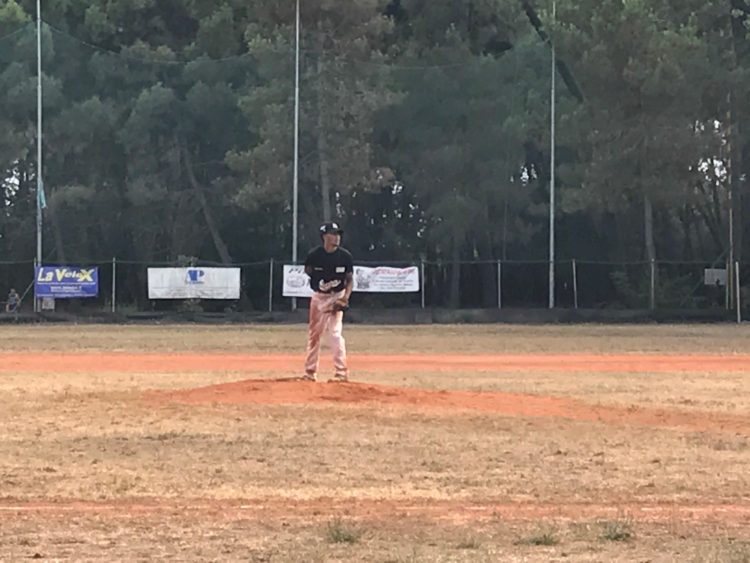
[424, 128]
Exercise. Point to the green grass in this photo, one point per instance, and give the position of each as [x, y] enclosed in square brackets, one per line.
[543, 536]
[339, 532]
[620, 530]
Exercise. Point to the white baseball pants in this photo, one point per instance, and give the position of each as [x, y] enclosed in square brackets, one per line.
[323, 318]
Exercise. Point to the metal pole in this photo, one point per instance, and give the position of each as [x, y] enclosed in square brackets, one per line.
[652, 299]
[575, 285]
[499, 284]
[270, 287]
[423, 282]
[737, 290]
[36, 275]
[728, 285]
[39, 180]
[730, 200]
[295, 182]
[552, 173]
[114, 284]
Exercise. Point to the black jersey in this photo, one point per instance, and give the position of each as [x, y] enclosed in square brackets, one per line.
[328, 270]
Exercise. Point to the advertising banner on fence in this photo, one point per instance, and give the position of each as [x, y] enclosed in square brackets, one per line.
[194, 283]
[296, 282]
[66, 282]
[382, 279]
[715, 277]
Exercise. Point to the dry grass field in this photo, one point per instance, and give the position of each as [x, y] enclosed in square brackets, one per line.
[453, 443]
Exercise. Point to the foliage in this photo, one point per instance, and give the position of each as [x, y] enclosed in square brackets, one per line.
[424, 128]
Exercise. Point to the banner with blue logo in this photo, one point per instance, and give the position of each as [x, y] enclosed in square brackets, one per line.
[66, 282]
[194, 283]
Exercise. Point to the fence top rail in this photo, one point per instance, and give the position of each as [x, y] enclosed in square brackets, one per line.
[208, 263]
[198, 263]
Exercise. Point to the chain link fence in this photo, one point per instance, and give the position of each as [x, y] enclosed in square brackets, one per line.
[688, 286]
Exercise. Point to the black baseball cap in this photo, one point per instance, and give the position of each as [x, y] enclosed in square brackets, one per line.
[331, 228]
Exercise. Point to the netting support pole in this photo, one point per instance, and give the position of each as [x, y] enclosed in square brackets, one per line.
[33, 283]
[270, 287]
[737, 291]
[421, 267]
[652, 299]
[499, 284]
[295, 180]
[114, 284]
[575, 285]
[728, 287]
[40, 200]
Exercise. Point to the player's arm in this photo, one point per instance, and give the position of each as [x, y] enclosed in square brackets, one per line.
[349, 281]
[308, 264]
[349, 286]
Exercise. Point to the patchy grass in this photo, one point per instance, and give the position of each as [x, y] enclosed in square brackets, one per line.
[469, 543]
[124, 479]
[620, 530]
[339, 531]
[542, 536]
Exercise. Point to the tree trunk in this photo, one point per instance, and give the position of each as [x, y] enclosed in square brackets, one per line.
[488, 276]
[740, 199]
[504, 253]
[648, 224]
[455, 295]
[686, 218]
[737, 171]
[322, 142]
[52, 213]
[221, 247]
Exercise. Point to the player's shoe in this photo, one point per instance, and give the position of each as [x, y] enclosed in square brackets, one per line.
[309, 377]
[341, 377]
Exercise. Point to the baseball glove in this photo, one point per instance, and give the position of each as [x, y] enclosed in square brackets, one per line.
[340, 305]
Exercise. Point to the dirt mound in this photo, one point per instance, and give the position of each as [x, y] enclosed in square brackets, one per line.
[294, 391]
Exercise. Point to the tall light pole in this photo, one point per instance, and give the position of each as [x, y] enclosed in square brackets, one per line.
[40, 199]
[295, 180]
[552, 170]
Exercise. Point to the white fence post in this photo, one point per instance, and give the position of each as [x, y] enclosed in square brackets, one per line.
[114, 284]
[653, 285]
[33, 289]
[499, 284]
[270, 287]
[575, 285]
[423, 282]
[737, 291]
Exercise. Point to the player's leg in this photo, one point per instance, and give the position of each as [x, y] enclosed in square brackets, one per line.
[317, 323]
[338, 344]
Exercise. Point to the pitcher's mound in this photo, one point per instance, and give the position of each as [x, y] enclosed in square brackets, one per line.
[297, 391]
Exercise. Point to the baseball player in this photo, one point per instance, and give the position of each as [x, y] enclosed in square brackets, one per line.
[331, 270]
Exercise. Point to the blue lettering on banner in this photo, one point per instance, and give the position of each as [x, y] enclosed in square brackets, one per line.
[195, 277]
[66, 282]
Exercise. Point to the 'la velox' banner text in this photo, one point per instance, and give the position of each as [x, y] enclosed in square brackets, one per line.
[66, 282]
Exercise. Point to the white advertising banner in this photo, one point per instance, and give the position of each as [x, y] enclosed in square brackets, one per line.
[715, 277]
[381, 279]
[296, 282]
[384, 279]
[194, 283]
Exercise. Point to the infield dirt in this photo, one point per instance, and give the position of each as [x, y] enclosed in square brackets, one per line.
[458, 443]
